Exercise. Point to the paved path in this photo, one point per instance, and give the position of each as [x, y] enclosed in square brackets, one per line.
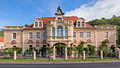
[75, 65]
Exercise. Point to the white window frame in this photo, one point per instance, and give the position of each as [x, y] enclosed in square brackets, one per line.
[88, 36]
[37, 35]
[73, 34]
[105, 35]
[35, 24]
[29, 35]
[82, 34]
[39, 24]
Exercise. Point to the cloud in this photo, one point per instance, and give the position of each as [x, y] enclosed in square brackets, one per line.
[101, 8]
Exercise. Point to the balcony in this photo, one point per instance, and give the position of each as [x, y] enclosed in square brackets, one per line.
[59, 38]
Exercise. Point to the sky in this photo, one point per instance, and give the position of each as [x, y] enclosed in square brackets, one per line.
[21, 12]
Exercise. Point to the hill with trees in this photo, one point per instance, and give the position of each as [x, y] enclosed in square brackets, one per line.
[112, 21]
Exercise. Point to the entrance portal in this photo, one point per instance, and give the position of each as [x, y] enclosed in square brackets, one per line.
[60, 50]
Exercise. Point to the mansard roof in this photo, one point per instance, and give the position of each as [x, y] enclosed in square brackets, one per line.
[73, 18]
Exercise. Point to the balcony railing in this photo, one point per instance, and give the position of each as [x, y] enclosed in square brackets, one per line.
[59, 37]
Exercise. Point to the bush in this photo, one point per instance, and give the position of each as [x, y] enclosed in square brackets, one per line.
[11, 50]
[91, 49]
[86, 49]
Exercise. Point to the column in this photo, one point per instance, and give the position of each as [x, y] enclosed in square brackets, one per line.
[119, 54]
[34, 55]
[15, 55]
[72, 55]
[96, 39]
[83, 54]
[54, 56]
[66, 53]
[115, 38]
[101, 53]
[40, 53]
[23, 42]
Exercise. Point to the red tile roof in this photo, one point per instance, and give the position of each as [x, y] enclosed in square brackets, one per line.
[1, 39]
[45, 19]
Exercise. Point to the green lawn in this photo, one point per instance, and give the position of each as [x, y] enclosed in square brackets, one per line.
[45, 60]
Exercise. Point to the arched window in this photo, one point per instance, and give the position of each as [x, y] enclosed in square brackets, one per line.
[83, 24]
[40, 24]
[59, 18]
[53, 31]
[66, 31]
[78, 23]
[36, 24]
[59, 31]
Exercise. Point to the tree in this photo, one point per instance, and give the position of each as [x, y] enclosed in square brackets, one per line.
[26, 25]
[91, 49]
[10, 51]
[104, 47]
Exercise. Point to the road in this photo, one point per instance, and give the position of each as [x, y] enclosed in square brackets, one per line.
[82, 65]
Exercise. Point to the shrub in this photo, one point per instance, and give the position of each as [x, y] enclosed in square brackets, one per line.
[91, 49]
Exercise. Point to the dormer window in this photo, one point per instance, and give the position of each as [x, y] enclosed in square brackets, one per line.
[59, 18]
[36, 24]
[40, 24]
[83, 24]
[78, 23]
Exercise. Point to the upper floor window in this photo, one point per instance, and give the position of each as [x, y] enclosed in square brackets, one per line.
[81, 34]
[74, 34]
[59, 31]
[78, 23]
[88, 34]
[40, 24]
[66, 31]
[59, 18]
[53, 31]
[36, 24]
[37, 34]
[44, 35]
[14, 35]
[30, 35]
[106, 35]
[83, 24]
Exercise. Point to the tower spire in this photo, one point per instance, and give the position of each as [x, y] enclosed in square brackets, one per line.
[59, 11]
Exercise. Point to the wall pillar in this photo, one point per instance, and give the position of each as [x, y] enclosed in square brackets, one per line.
[66, 53]
[101, 54]
[119, 54]
[15, 57]
[54, 56]
[23, 43]
[34, 55]
[40, 54]
[96, 40]
[83, 54]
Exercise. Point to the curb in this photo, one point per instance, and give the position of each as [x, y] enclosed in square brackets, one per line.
[37, 62]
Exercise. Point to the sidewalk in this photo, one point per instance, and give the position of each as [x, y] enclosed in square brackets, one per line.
[37, 62]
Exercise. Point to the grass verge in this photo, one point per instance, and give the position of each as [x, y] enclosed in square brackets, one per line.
[46, 60]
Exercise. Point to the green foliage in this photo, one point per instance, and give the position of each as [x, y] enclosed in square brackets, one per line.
[70, 49]
[91, 49]
[2, 33]
[113, 21]
[59, 45]
[104, 47]
[11, 50]
[80, 47]
[112, 48]
[86, 49]
[26, 25]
